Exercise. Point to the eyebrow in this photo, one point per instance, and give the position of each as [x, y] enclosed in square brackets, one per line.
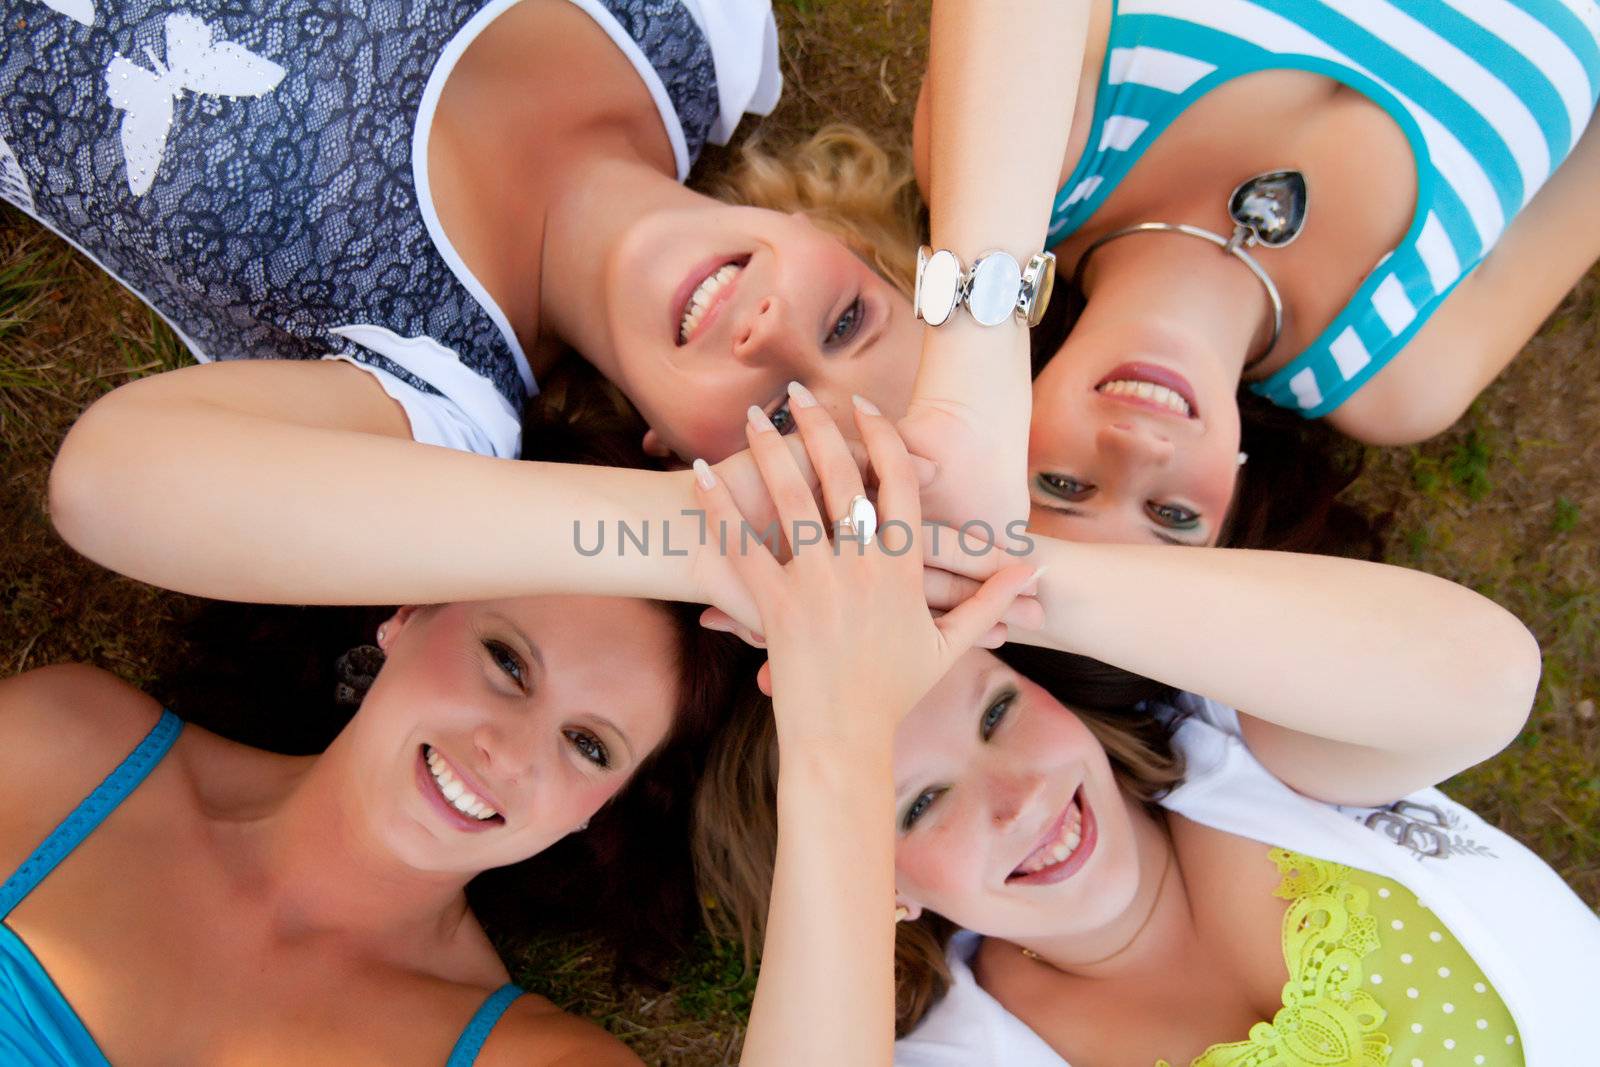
[533, 649]
[1154, 531]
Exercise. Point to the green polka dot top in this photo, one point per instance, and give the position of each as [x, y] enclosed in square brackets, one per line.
[1375, 980]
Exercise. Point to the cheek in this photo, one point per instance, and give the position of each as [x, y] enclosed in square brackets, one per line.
[940, 865]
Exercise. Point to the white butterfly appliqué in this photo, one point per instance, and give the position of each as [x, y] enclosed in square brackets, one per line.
[194, 64]
[76, 10]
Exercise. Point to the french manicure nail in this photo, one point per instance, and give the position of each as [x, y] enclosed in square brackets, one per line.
[758, 418]
[865, 405]
[801, 395]
[704, 475]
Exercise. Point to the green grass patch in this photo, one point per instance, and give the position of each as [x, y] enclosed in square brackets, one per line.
[1566, 516]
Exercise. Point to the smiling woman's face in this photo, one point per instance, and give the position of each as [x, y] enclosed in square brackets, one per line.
[715, 308]
[1124, 447]
[496, 728]
[1009, 820]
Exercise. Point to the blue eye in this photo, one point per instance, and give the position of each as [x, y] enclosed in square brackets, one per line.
[508, 662]
[1173, 516]
[589, 747]
[848, 324]
[919, 807]
[1064, 486]
[993, 715]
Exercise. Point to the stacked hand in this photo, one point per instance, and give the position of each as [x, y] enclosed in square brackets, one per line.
[847, 624]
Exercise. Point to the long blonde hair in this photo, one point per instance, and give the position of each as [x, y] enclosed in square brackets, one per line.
[736, 816]
[847, 184]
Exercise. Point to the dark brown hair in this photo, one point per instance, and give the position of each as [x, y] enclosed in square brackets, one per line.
[736, 827]
[265, 676]
[1287, 495]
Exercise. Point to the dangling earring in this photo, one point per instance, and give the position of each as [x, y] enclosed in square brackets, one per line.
[354, 673]
[1244, 457]
[901, 913]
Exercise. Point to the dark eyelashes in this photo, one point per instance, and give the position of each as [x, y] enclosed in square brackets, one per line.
[850, 321]
[508, 661]
[589, 747]
[586, 744]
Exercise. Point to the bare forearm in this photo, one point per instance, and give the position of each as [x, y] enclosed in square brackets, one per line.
[206, 499]
[826, 990]
[1360, 653]
[1002, 86]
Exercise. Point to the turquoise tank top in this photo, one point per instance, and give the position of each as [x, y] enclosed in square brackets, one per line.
[37, 1025]
[1492, 95]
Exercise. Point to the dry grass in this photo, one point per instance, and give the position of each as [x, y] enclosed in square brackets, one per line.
[1507, 503]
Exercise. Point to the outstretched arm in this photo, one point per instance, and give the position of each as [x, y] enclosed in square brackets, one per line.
[1001, 88]
[1361, 681]
[291, 481]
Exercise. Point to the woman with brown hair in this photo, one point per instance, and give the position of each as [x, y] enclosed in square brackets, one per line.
[1359, 212]
[1147, 875]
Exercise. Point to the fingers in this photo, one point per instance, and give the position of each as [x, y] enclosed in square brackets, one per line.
[720, 621]
[837, 472]
[751, 561]
[967, 623]
[791, 496]
[945, 591]
[898, 493]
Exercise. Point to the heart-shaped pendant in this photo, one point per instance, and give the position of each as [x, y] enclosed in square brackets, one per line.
[1270, 208]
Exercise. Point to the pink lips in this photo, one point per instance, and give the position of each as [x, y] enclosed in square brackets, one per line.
[459, 819]
[1088, 837]
[1149, 372]
[697, 275]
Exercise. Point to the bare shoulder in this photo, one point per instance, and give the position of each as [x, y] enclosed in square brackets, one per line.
[73, 708]
[66, 727]
[535, 1033]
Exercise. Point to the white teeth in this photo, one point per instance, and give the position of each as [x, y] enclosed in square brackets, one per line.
[701, 298]
[454, 791]
[1160, 394]
[1055, 852]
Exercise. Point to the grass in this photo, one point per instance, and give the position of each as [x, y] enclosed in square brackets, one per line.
[1504, 502]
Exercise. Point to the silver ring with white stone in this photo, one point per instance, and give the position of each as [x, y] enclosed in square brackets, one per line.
[860, 519]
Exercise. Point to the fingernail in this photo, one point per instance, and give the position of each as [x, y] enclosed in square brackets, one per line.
[704, 475]
[1031, 586]
[865, 405]
[758, 418]
[801, 395]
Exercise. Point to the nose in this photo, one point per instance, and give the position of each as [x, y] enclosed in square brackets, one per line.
[765, 335]
[506, 749]
[1130, 445]
[1011, 796]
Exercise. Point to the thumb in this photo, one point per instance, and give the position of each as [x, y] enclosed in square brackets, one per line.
[969, 622]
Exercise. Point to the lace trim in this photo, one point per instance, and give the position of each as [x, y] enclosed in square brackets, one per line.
[1327, 1019]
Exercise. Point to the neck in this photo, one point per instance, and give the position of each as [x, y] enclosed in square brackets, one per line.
[317, 868]
[1180, 289]
[589, 218]
[1156, 928]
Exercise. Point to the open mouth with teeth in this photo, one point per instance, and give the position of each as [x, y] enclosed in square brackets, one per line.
[1068, 843]
[450, 795]
[698, 307]
[1149, 386]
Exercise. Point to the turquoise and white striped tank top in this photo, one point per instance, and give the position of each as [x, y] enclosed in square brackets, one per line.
[1492, 94]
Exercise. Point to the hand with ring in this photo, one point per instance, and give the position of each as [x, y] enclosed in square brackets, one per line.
[837, 612]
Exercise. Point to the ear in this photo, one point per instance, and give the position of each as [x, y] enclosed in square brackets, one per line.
[390, 628]
[764, 679]
[653, 445]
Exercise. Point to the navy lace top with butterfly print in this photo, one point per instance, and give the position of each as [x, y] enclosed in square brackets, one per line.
[246, 166]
